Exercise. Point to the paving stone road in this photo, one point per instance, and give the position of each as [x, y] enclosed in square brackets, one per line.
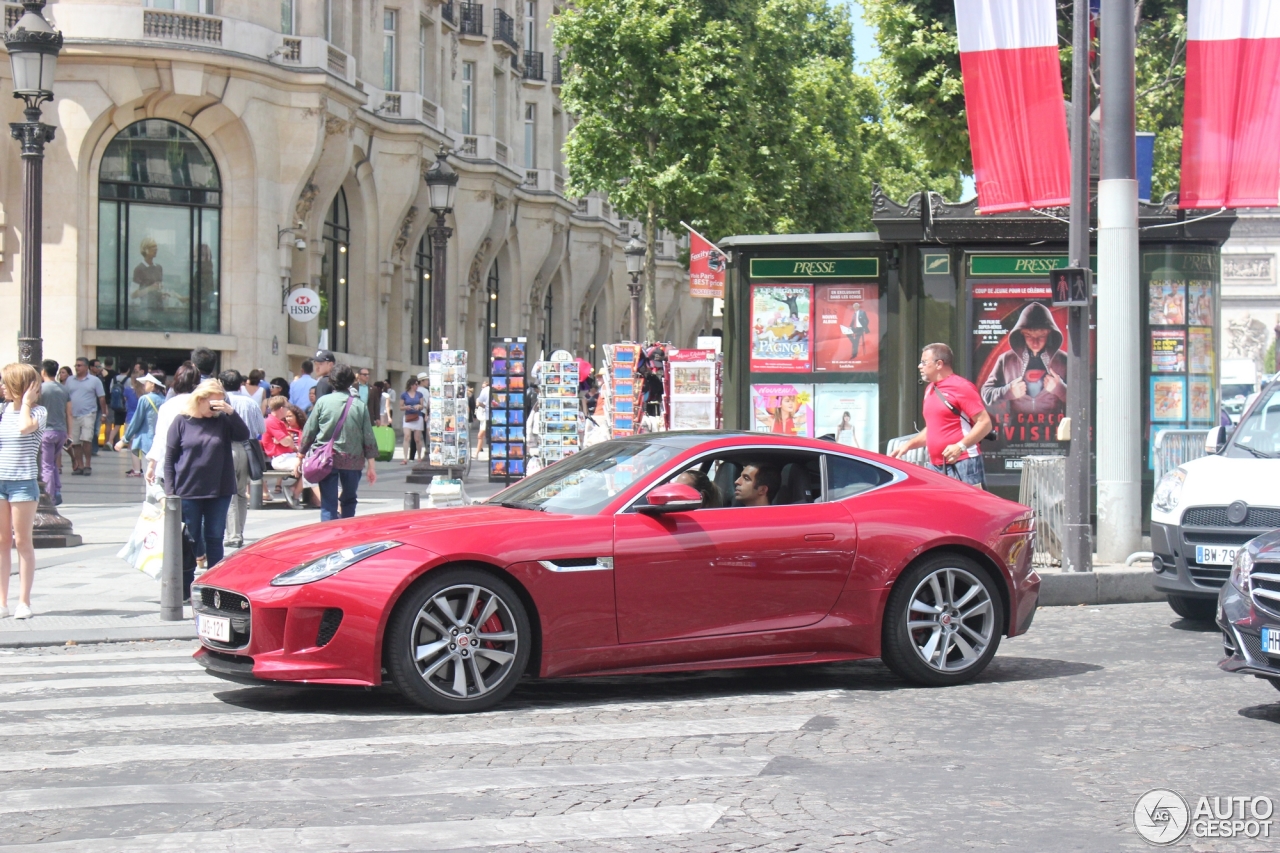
[128, 747]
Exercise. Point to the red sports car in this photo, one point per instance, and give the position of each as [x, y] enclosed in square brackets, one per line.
[674, 551]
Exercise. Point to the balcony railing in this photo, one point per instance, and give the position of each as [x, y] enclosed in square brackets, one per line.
[556, 77]
[533, 65]
[291, 50]
[337, 61]
[11, 16]
[181, 26]
[471, 22]
[446, 12]
[504, 28]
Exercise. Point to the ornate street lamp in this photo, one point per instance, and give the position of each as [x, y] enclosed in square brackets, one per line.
[635, 253]
[33, 48]
[442, 188]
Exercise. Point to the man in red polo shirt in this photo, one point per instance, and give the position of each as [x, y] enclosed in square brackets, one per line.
[955, 421]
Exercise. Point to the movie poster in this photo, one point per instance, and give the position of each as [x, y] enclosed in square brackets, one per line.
[780, 319]
[1168, 351]
[1200, 303]
[1168, 303]
[1020, 364]
[1168, 398]
[782, 409]
[1201, 393]
[1201, 350]
[846, 327]
[850, 414]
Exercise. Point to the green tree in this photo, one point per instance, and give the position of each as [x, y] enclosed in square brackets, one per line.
[919, 72]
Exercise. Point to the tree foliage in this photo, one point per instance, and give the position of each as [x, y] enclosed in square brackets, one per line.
[919, 72]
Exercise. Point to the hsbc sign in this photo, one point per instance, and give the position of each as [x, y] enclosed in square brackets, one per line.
[303, 304]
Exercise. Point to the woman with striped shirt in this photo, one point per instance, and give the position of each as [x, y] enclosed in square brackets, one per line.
[21, 424]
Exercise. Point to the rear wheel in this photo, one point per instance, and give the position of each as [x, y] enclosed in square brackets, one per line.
[458, 642]
[1193, 608]
[943, 621]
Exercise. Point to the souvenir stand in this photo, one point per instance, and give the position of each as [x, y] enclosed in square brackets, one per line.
[447, 458]
[558, 408]
[693, 389]
[507, 409]
[620, 389]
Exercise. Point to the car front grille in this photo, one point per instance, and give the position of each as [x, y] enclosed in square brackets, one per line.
[1208, 525]
[1262, 518]
[1265, 579]
[1253, 647]
[223, 602]
[329, 623]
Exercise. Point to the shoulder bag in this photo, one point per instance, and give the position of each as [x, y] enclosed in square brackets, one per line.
[955, 410]
[318, 463]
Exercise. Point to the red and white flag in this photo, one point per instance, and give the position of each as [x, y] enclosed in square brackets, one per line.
[1231, 114]
[706, 267]
[1013, 98]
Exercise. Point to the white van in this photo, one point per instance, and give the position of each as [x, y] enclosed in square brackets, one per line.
[1205, 509]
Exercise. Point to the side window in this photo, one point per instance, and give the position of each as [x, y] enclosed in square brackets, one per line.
[848, 477]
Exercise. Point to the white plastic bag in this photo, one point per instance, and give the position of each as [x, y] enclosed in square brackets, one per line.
[145, 548]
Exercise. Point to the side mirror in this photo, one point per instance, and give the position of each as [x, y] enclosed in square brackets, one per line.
[1216, 440]
[672, 497]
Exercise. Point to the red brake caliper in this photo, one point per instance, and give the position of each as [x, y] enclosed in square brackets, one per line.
[491, 626]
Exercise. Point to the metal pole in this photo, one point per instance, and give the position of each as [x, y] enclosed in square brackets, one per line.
[1119, 353]
[440, 234]
[412, 500]
[50, 528]
[171, 565]
[635, 287]
[1078, 553]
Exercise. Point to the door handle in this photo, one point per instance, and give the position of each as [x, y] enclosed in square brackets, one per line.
[819, 537]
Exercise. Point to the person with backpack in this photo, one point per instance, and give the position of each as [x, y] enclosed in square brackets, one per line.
[141, 431]
[955, 420]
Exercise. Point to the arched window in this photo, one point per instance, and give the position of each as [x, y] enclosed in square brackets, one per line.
[492, 286]
[159, 231]
[334, 267]
[422, 266]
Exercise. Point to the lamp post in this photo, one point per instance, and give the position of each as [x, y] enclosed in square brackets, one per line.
[442, 187]
[635, 253]
[33, 48]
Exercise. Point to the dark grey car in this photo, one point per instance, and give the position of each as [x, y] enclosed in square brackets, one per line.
[1249, 610]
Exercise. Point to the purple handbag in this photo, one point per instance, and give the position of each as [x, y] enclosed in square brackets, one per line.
[318, 463]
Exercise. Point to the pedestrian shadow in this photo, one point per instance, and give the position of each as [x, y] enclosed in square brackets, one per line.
[1265, 713]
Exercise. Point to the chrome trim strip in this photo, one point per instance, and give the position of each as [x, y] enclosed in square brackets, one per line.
[1265, 576]
[1266, 593]
[602, 564]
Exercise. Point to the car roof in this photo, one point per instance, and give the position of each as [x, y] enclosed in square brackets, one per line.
[688, 439]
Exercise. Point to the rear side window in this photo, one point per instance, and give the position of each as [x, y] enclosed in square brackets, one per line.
[848, 477]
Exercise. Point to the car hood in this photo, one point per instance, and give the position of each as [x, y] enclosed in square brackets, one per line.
[1267, 547]
[1221, 480]
[412, 527]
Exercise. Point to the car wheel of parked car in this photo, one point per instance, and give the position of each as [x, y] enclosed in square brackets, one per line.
[1275, 682]
[943, 622]
[458, 641]
[1195, 609]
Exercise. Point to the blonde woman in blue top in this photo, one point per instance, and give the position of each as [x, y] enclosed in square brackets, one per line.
[22, 421]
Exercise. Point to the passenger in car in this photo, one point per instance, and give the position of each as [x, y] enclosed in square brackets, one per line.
[757, 484]
[710, 494]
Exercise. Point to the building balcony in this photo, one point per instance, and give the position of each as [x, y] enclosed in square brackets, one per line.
[556, 77]
[533, 65]
[447, 12]
[504, 29]
[471, 19]
[402, 106]
[477, 147]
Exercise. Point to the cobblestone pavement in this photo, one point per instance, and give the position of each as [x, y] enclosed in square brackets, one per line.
[130, 747]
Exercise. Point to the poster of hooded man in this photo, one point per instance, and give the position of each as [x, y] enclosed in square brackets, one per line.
[1020, 359]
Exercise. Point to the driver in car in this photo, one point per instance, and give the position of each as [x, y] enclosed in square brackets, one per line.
[757, 485]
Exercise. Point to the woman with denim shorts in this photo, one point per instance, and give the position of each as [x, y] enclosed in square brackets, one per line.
[21, 425]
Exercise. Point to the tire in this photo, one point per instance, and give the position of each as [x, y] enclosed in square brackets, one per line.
[1193, 608]
[1275, 682]
[443, 656]
[943, 622]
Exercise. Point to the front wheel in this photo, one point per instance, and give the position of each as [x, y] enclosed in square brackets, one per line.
[458, 641]
[1194, 608]
[943, 622]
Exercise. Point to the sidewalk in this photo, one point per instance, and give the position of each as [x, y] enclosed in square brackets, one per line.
[88, 595]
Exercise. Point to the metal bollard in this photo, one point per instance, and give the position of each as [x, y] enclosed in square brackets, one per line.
[171, 570]
[412, 500]
[255, 494]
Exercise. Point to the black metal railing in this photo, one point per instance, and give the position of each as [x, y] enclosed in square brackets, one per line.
[446, 12]
[471, 22]
[504, 28]
[533, 65]
[556, 77]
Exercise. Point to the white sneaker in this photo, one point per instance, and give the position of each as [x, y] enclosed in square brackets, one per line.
[23, 612]
[4, 613]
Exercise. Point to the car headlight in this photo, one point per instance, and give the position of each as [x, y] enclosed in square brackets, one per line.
[330, 564]
[1169, 489]
[1240, 571]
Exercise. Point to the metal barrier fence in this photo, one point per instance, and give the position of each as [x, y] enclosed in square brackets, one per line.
[919, 456]
[1043, 489]
[1175, 446]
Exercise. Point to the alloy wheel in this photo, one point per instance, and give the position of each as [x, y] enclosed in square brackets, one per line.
[951, 620]
[464, 641]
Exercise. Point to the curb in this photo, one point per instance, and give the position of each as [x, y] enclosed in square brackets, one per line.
[185, 630]
[1120, 586]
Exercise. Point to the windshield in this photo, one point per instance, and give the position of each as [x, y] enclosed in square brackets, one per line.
[1258, 434]
[585, 482]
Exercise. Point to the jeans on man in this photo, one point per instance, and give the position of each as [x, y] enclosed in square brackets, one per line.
[240, 501]
[50, 449]
[206, 521]
[350, 481]
[967, 470]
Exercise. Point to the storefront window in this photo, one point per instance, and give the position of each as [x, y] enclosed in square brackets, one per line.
[158, 231]
[334, 267]
[422, 265]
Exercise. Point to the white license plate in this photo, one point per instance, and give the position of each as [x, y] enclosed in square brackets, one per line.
[1209, 555]
[1271, 641]
[213, 628]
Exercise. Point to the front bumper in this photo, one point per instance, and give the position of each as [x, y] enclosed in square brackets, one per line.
[1175, 566]
[1241, 624]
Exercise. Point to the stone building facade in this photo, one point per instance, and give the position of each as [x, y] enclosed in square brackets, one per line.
[211, 155]
[1250, 287]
